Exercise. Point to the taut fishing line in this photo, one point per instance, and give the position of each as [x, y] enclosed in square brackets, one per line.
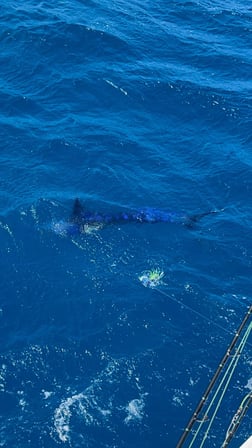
[154, 279]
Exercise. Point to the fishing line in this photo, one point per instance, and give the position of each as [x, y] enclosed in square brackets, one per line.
[225, 381]
[197, 313]
[154, 279]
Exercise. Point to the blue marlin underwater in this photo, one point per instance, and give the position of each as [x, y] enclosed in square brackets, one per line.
[85, 221]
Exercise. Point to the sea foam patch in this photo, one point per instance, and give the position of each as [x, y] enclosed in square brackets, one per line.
[135, 410]
[99, 406]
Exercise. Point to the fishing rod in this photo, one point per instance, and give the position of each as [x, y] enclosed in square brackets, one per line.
[237, 418]
[195, 415]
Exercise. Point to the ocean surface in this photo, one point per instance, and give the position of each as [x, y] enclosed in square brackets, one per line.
[125, 105]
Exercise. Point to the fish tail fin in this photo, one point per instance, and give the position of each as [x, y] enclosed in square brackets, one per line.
[194, 219]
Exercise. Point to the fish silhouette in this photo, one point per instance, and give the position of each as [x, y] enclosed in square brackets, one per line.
[85, 221]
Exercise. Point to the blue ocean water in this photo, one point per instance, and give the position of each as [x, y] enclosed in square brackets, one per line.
[124, 105]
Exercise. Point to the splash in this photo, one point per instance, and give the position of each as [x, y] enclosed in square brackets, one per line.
[151, 279]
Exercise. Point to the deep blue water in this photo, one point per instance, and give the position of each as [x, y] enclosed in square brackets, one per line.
[124, 105]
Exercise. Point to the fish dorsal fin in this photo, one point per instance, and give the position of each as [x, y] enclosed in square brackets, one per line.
[77, 210]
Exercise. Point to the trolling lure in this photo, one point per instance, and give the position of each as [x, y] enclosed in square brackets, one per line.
[151, 279]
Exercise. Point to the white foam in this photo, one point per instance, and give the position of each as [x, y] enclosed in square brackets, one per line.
[116, 86]
[178, 397]
[249, 384]
[22, 402]
[135, 410]
[3, 372]
[98, 404]
[83, 404]
[62, 417]
[46, 394]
